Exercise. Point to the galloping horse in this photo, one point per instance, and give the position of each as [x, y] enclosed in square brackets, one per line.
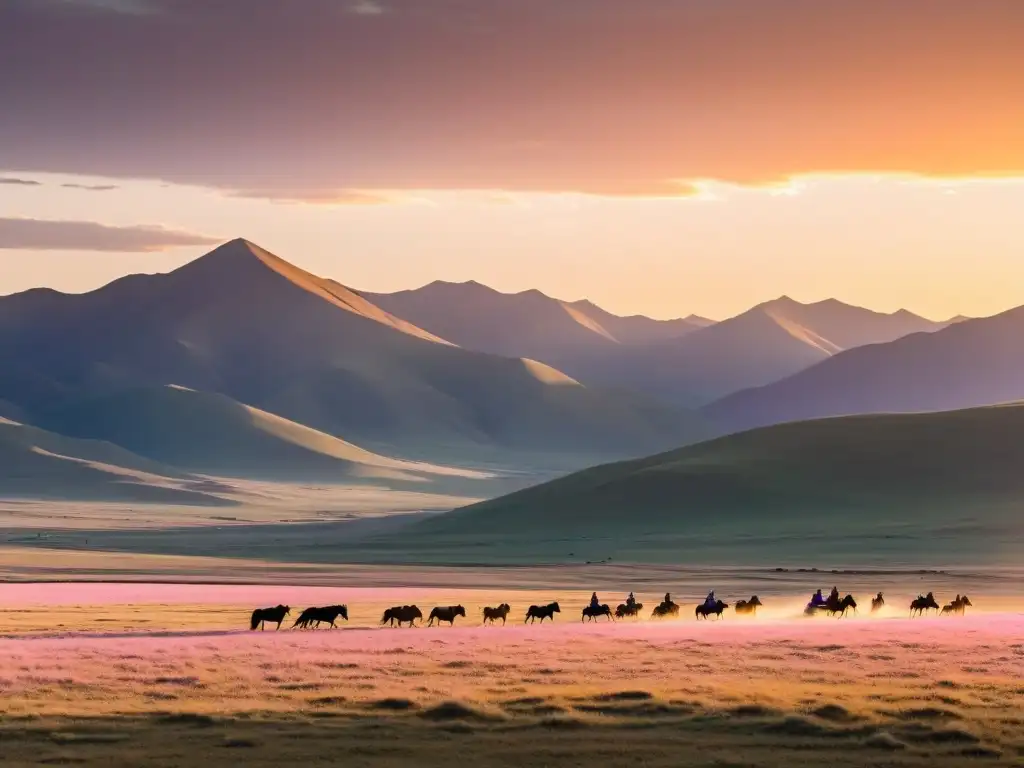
[275, 615]
[922, 604]
[703, 611]
[593, 613]
[748, 606]
[665, 609]
[542, 612]
[447, 613]
[401, 614]
[328, 614]
[957, 606]
[626, 609]
[493, 614]
[833, 607]
[877, 603]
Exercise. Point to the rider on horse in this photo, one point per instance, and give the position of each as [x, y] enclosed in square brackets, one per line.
[594, 602]
[833, 596]
[710, 601]
[631, 601]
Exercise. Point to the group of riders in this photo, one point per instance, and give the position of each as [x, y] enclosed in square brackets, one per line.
[817, 600]
[709, 602]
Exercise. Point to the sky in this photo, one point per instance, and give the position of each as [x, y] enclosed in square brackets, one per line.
[663, 157]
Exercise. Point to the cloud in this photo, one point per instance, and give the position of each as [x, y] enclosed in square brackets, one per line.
[598, 96]
[19, 182]
[92, 187]
[132, 7]
[314, 196]
[366, 8]
[47, 235]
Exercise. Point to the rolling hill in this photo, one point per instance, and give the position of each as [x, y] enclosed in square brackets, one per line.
[799, 489]
[213, 434]
[38, 464]
[970, 363]
[243, 323]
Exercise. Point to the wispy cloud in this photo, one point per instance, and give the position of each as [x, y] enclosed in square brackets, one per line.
[7, 180]
[314, 196]
[92, 187]
[55, 235]
[366, 8]
[132, 7]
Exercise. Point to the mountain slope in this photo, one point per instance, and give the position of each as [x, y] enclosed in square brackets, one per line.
[527, 324]
[213, 434]
[38, 464]
[969, 363]
[769, 342]
[806, 480]
[244, 323]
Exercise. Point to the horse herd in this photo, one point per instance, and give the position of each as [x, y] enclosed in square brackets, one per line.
[312, 618]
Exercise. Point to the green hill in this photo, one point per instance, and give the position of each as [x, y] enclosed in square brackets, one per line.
[793, 490]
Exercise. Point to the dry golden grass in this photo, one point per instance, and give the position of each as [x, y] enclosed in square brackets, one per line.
[166, 682]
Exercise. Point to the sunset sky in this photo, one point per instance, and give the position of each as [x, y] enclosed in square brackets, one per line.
[655, 156]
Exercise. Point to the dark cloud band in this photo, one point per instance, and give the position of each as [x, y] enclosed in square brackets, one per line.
[601, 96]
[46, 235]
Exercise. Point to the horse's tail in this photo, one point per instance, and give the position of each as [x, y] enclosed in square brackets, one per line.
[255, 620]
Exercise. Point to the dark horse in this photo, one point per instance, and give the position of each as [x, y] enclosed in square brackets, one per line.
[493, 614]
[627, 609]
[877, 603]
[664, 609]
[749, 606]
[835, 606]
[921, 604]
[274, 615]
[446, 613]
[592, 613]
[402, 614]
[703, 611]
[957, 606]
[542, 612]
[328, 614]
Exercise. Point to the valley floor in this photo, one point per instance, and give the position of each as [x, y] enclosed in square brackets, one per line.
[169, 675]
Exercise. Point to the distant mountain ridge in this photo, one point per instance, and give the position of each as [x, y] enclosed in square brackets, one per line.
[686, 362]
[968, 363]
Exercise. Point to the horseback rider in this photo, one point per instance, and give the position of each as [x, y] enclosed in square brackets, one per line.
[710, 601]
[631, 601]
[594, 603]
[817, 601]
[667, 600]
[833, 596]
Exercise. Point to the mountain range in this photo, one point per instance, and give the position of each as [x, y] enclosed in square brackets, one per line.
[141, 360]
[686, 362]
[240, 364]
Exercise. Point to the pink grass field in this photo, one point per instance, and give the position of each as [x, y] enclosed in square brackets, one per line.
[936, 690]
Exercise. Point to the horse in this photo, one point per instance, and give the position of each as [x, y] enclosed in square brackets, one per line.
[542, 612]
[665, 609]
[493, 614]
[877, 603]
[703, 611]
[327, 614]
[833, 606]
[446, 613]
[922, 604]
[401, 614]
[274, 615]
[749, 606]
[957, 606]
[592, 613]
[625, 609]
